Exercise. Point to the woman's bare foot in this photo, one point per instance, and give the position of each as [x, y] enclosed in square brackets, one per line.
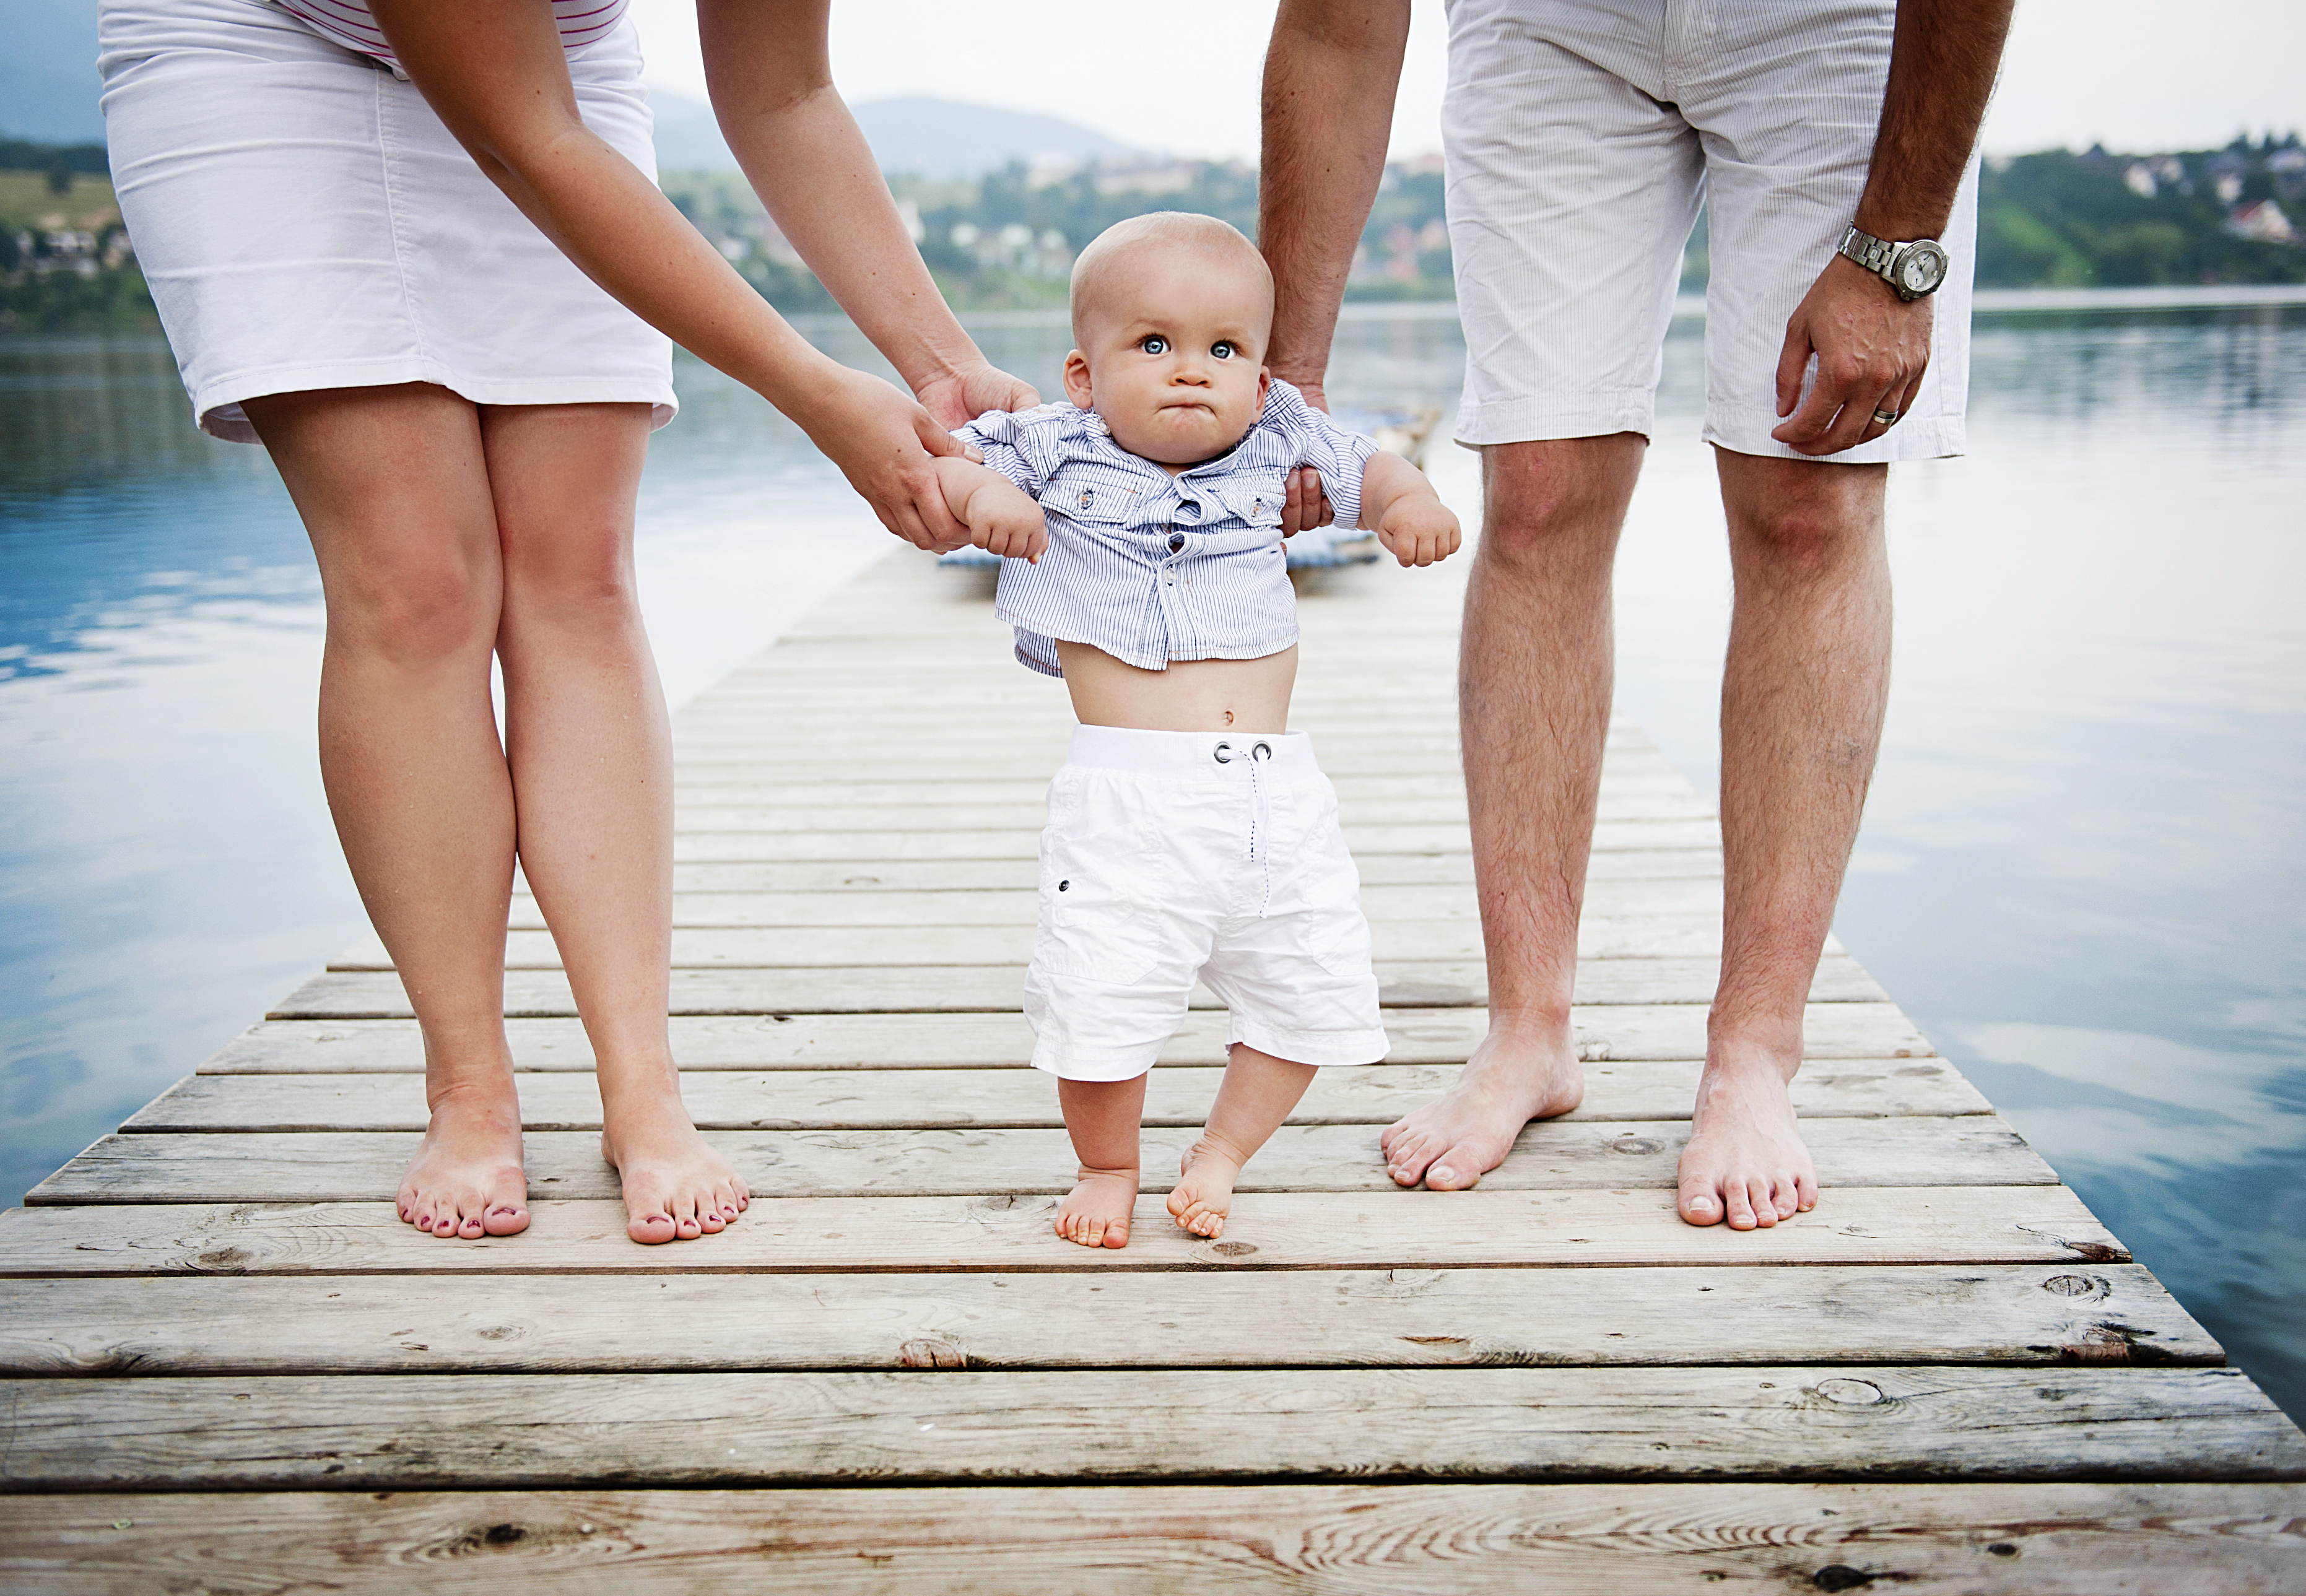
[465, 1181]
[1096, 1212]
[1515, 1076]
[1744, 1161]
[1203, 1197]
[676, 1187]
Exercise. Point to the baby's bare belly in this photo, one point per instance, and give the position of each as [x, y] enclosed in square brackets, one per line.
[1189, 696]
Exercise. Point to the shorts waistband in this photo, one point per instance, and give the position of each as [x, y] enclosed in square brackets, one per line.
[1220, 754]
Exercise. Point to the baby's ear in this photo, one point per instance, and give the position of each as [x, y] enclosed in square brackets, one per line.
[1077, 384]
[1264, 387]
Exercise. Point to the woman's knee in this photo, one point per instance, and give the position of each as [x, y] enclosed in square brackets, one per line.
[410, 606]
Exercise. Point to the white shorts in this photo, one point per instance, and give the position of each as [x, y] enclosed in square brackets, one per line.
[305, 221]
[1173, 857]
[1580, 137]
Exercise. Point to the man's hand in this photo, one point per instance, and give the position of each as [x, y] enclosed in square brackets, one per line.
[962, 397]
[886, 446]
[1872, 349]
[1001, 517]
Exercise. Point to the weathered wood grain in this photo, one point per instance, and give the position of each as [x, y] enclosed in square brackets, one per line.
[1605, 901]
[891, 989]
[835, 947]
[736, 810]
[1841, 1031]
[429, 1433]
[1024, 842]
[1774, 1539]
[827, 1099]
[355, 1165]
[1395, 869]
[2045, 1314]
[1394, 1230]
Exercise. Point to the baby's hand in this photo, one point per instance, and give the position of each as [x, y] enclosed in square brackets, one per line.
[1418, 529]
[1002, 518]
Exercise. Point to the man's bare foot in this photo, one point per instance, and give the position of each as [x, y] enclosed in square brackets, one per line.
[676, 1187]
[1515, 1076]
[1095, 1214]
[465, 1181]
[1203, 1197]
[1744, 1161]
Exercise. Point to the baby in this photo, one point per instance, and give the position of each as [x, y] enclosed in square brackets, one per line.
[1190, 834]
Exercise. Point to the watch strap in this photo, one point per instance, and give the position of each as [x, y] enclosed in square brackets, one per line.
[1874, 254]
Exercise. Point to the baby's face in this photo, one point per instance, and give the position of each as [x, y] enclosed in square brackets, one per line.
[1173, 357]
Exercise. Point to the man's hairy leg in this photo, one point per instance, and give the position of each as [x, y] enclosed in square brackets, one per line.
[1533, 705]
[1802, 697]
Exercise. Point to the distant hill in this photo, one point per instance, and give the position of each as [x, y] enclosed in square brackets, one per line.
[941, 139]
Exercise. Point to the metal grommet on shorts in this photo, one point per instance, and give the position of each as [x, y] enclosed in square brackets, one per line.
[1222, 754]
[1261, 751]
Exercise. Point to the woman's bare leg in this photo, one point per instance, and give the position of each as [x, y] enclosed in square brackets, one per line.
[393, 487]
[590, 750]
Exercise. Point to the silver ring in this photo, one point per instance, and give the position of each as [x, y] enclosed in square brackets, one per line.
[1888, 418]
[1261, 751]
[1222, 754]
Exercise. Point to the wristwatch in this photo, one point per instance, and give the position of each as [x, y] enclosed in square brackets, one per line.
[1913, 269]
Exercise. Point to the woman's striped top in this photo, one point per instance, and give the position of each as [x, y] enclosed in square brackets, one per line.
[349, 24]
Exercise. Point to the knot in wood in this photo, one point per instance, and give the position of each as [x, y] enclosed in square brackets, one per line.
[1636, 1145]
[1850, 1393]
[1233, 1249]
[2074, 1286]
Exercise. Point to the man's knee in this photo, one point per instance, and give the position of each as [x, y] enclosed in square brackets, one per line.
[1545, 499]
[1803, 515]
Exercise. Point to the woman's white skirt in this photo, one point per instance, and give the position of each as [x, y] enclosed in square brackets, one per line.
[306, 222]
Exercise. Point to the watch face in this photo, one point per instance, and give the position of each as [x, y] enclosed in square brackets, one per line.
[1922, 269]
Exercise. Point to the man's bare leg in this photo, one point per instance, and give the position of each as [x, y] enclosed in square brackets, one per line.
[1802, 698]
[1257, 1093]
[1102, 1118]
[1533, 703]
[590, 748]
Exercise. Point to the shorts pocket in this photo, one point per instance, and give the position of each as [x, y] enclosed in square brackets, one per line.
[1105, 884]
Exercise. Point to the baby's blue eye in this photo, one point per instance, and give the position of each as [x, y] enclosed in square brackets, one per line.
[1153, 343]
[1223, 349]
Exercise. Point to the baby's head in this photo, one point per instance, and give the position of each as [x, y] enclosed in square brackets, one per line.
[1171, 315]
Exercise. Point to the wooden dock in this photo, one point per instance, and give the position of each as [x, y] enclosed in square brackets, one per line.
[228, 1367]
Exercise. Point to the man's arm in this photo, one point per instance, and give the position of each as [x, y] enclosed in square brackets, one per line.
[770, 73]
[1873, 348]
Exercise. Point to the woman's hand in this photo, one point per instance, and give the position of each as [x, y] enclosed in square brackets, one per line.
[883, 442]
[962, 397]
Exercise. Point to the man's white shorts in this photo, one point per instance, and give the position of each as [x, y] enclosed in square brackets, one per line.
[1173, 857]
[1580, 137]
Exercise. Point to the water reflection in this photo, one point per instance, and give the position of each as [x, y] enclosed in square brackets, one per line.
[2083, 869]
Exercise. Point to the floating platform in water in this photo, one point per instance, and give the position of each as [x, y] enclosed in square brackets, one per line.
[229, 1367]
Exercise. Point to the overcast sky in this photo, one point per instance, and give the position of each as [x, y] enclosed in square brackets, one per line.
[1181, 75]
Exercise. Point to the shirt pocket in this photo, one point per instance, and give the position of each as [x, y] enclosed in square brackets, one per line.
[1091, 498]
[1105, 880]
[1256, 503]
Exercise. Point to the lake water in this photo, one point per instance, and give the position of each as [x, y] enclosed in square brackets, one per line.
[2083, 869]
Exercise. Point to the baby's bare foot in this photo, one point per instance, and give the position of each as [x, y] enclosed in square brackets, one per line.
[1204, 1192]
[676, 1188]
[465, 1181]
[1096, 1212]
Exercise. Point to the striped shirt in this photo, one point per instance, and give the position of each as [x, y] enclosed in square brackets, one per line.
[1152, 567]
[348, 23]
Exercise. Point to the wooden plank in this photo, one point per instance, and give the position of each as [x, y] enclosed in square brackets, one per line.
[1779, 1540]
[1561, 1154]
[822, 1099]
[1013, 905]
[1840, 1032]
[834, 947]
[739, 811]
[1398, 869]
[424, 1432]
[377, 995]
[780, 788]
[2045, 1314]
[1418, 1230]
[1024, 842]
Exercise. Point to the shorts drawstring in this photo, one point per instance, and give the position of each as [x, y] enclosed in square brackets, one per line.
[1261, 822]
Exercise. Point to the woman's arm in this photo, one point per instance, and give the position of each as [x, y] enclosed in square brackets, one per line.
[497, 76]
[769, 71]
